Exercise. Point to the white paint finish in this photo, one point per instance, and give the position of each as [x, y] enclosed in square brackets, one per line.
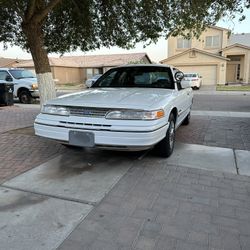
[126, 98]
[221, 113]
[46, 87]
[29, 221]
[203, 157]
[82, 176]
[243, 161]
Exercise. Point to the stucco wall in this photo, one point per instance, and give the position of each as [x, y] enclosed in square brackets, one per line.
[200, 43]
[201, 60]
[245, 61]
[67, 75]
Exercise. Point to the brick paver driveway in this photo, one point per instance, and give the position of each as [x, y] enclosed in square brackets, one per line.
[20, 149]
[227, 132]
[160, 206]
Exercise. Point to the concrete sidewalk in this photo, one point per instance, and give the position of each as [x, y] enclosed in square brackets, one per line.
[211, 90]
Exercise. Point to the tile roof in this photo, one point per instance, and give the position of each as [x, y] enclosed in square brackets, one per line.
[90, 60]
[107, 60]
[5, 62]
[243, 39]
[52, 60]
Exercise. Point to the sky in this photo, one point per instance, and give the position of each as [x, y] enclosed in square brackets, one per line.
[156, 52]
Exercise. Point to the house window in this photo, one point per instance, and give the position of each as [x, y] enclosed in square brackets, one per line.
[89, 73]
[238, 72]
[212, 41]
[183, 43]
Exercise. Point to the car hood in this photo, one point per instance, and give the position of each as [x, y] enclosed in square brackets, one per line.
[139, 98]
[27, 80]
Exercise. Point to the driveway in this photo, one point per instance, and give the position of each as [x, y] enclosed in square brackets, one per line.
[54, 197]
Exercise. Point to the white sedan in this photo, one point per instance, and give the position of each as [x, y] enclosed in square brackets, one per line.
[193, 79]
[132, 107]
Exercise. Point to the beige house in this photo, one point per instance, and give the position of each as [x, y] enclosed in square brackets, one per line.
[77, 69]
[215, 55]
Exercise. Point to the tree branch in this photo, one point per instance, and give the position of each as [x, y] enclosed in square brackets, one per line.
[30, 10]
[44, 12]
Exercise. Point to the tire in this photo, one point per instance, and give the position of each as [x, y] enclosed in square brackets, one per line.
[72, 146]
[166, 146]
[186, 121]
[25, 97]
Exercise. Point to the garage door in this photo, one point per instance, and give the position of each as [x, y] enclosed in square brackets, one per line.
[208, 73]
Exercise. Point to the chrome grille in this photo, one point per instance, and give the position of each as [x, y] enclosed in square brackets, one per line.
[88, 112]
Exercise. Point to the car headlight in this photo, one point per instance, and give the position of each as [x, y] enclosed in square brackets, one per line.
[135, 115]
[34, 86]
[55, 110]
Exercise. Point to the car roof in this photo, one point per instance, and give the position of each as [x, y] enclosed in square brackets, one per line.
[11, 69]
[143, 65]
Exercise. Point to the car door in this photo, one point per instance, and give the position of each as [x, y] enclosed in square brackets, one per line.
[3, 75]
[184, 103]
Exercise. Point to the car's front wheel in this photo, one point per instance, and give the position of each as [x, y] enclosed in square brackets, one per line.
[25, 97]
[166, 146]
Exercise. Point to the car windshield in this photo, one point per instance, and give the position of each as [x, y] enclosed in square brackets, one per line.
[190, 75]
[19, 74]
[137, 77]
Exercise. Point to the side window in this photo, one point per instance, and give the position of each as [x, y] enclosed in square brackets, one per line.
[3, 75]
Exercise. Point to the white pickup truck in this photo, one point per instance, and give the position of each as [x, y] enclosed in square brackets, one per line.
[25, 83]
[132, 107]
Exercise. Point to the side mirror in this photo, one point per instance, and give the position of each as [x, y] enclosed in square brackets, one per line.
[8, 79]
[179, 76]
[89, 83]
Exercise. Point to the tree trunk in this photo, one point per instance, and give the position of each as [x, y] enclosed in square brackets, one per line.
[39, 54]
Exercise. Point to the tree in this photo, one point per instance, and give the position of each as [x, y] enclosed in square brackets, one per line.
[44, 26]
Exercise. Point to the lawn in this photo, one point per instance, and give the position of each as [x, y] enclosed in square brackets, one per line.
[233, 88]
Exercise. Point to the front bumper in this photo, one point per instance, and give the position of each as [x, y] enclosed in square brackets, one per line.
[34, 93]
[106, 138]
[194, 84]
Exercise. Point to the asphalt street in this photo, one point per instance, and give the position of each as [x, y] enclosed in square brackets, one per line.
[239, 103]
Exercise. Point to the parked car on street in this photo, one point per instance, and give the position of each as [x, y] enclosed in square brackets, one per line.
[134, 107]
[91, 80]
[194, 79]
[25, 83]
